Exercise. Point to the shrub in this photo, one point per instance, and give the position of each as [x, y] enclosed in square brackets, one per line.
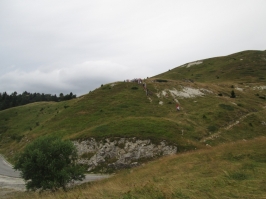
[233, 95]
[161, 80]
[238, 175]
[226, 107]
[16, 137]
[49, 163]
[212, 128]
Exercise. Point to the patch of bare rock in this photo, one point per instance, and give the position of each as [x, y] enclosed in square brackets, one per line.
[119, 153]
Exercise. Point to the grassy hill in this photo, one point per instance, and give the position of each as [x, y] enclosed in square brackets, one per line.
[225, 135]
[242, 67]
[208, 115]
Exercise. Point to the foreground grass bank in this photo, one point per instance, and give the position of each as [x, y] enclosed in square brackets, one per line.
[233, 170]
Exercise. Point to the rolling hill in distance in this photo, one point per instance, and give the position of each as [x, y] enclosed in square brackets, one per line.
[222, 109]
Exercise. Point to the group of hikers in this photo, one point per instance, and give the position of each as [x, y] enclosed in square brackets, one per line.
[140, 81]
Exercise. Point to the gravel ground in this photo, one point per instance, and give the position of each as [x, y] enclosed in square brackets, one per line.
[9, 185]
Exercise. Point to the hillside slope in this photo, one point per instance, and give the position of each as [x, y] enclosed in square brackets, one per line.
[208, 115]
[232, 170]
[242, 67]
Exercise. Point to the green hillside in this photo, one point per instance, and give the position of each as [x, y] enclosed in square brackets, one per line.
[235, 170]
[221, 123]
[208, 115]
[242, 67]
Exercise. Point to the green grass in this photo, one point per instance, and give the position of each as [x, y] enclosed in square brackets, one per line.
[246, 66]
[124, 110]
[232, 129]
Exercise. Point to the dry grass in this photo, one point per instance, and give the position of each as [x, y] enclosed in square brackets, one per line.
[235, 170]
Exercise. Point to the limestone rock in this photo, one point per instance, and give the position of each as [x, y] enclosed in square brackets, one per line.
[120, 153]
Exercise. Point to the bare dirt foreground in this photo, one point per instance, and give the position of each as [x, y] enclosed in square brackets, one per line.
[11, 182]
[9, 179]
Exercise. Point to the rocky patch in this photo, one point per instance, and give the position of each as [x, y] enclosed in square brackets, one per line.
[119, 153]
[184, 92]
[194, 63]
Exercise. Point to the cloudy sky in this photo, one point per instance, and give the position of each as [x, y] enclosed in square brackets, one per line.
[54, 46]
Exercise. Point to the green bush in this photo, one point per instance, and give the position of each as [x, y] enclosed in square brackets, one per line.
[226, 107]
[16, 137]
[238, 175]
[212, 128]
[233, 95]
[161, 80]
[49, 163]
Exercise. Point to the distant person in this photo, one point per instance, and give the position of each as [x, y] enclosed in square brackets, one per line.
[144, 85]
[177, 107]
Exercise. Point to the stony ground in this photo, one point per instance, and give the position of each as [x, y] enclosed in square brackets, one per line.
[9, 185]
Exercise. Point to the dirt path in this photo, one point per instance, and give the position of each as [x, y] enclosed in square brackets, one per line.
[216, 135]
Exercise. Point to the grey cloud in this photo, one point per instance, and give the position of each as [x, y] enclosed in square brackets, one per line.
[62, 46]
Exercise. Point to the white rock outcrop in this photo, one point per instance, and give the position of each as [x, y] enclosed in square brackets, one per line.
[120, 153]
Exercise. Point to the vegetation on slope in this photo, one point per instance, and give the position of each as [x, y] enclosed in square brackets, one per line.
[234, 170]
[245, 67]
[123, 109]
[222, 100]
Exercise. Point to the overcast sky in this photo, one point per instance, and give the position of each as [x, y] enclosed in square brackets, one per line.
[54, 46]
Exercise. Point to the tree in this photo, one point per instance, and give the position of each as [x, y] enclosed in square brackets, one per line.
[49, 163]
[233, 95]
[61, 96]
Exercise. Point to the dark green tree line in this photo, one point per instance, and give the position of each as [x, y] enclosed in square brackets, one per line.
[15, 99]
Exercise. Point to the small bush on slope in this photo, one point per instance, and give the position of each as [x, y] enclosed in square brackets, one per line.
[49, 163]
